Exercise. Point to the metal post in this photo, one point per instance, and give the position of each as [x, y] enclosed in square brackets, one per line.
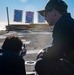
[7, 15]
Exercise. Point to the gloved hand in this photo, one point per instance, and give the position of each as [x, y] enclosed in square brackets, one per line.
[40, 53]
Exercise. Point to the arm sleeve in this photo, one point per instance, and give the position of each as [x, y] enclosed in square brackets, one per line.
[20, 66]
[60, 41]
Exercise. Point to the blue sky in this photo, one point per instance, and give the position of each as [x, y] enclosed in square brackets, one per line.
[26, 5]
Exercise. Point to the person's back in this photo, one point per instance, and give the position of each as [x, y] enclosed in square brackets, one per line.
[11, 63]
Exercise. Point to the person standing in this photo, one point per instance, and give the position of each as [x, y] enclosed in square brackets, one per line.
[11, 63]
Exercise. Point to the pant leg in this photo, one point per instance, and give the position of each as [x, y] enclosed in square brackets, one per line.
[43, 67]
